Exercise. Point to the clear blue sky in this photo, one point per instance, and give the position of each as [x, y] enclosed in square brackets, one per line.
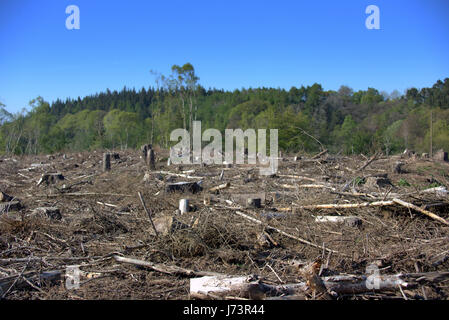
[232, 44]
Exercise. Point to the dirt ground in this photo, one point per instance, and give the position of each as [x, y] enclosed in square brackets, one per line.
[102, 216]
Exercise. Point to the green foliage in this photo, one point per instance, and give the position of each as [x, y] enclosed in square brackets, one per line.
[403, 183]
[434, 185]
[351, 122]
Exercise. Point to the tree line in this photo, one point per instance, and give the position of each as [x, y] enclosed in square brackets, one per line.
[345, 121]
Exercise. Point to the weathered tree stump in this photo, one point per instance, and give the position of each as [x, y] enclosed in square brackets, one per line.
[167, 225]
[50, 178]
[440, 155]
[51, 212]
[106, 162]
[397, 167]
[151, 159]
[192, 187]
[253, 202]
[374, 182]
[184, 206]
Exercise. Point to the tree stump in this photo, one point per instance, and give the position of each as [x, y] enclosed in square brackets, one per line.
[184, 205]
[253, 202]
[440, 155]
[50, 178]
[151, 159]
[51, 212]
[397, 167]
[106, 162]
[192, 187]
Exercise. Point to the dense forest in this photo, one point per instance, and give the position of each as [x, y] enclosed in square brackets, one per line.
[343, 121]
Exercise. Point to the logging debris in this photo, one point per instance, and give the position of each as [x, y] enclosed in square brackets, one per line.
[320, 228]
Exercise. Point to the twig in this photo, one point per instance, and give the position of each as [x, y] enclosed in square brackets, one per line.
[281, 232]
[17, 279]
[148, 213]
[164, 268]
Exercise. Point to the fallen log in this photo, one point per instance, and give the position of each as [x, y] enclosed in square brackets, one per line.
[348, 205]
[182, 175]
[253, 288]
[220, 187]
[351, 221]
[82, 194]
[368, 162]
[167, 269]
[425, 212]
[27, 277]
[320, 154]
[296, 177]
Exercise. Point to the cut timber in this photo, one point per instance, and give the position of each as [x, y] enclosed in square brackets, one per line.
[253, 288]
[51, 212]
[438, 191]
[348, 205]
[416, 208]
[192, 187]
[316, 186]
[296, 177]
[220, 187]
[50, 178]
[350, 221]
[179, 175]
[320, 154]
[368, 162]
[167, 269]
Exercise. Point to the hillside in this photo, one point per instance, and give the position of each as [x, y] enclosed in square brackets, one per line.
[347, 122]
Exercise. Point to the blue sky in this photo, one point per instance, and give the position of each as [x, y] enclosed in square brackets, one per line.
[232, 44]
